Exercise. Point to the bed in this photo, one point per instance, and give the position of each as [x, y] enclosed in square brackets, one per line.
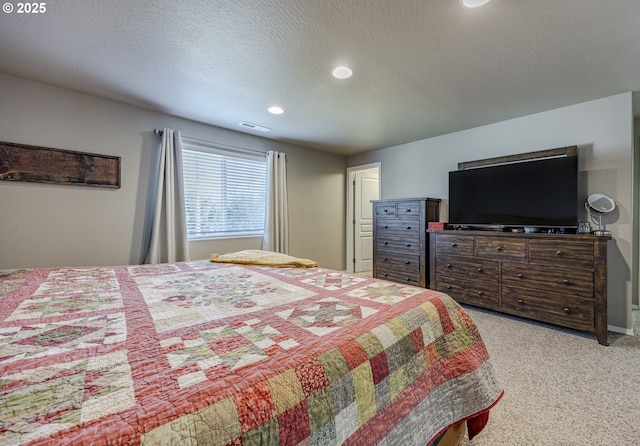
[222, 354]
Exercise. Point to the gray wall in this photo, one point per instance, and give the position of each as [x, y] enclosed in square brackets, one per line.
[51, 225]
[602, 129]
[636, 207]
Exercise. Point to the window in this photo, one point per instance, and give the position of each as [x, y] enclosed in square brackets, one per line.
[225, 191]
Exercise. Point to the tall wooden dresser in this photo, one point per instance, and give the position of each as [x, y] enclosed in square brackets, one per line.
[400, 243]
[555, 278]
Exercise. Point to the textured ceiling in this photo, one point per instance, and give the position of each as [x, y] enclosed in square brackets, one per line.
[422, 68]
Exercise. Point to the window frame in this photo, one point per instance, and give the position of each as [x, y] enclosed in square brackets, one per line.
[236, 158]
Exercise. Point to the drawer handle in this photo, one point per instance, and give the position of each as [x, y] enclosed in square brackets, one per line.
[566, 282]
[385, 274]
[408, 210]
[407, 262]
[386, 210]
[448, 265]
[386, 243]
[408, 227]
[408, 279]
[454, 244]
[558, 253]
[520, 301]
[520, 276]
[386, 227]
[480, 293]
[448, 287]
[479, 270]
[385, 259]
[567, 310]
[408, 245]
[499, 248]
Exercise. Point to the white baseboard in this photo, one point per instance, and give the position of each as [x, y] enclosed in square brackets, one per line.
[625, 331]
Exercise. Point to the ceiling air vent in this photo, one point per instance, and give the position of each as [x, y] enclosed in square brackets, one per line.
[254, 126]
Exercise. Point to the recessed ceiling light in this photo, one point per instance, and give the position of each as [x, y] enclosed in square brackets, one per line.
[275, 110]
[342, 72]
[473, 3]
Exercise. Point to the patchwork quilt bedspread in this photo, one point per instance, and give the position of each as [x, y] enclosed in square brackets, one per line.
[223, 354]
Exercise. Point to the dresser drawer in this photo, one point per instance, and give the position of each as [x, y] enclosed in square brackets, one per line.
[481, 294]
[468, 268]
[408, 277]
[548, 307]
[502, 248]
[451, 287]
[559, 280]
[385, 210]
[398, 228]
[561, 253]
[409, 210]
[454, 244]
[410, 244]
[399, 262]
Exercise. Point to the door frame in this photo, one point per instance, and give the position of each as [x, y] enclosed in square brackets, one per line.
[351, 206]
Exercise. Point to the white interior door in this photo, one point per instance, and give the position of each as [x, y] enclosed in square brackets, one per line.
[365, 189]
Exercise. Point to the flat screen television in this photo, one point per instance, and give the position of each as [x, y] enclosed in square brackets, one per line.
[539, 193]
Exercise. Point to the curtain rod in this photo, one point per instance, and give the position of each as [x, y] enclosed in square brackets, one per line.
[215, 144]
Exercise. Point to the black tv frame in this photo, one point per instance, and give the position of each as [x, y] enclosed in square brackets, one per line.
[510, 223]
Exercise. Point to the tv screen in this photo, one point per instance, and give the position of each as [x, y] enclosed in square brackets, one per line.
[540, 193]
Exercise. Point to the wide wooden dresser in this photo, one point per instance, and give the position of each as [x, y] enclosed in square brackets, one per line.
[555, 278]
[400, 240]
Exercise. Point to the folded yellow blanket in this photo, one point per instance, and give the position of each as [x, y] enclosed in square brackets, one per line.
[266, 258]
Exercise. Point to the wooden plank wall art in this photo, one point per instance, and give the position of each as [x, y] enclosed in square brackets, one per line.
[19, 162]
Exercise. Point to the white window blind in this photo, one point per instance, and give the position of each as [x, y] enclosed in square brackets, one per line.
[225, 192]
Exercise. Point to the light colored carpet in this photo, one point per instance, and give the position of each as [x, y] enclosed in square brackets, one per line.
[561, 387]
